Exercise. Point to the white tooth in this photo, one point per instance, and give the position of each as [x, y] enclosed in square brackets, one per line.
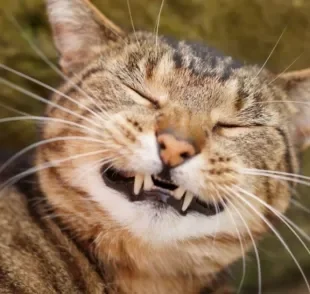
[178, 193]
[138, 184]
[148, 182]
[187, 200]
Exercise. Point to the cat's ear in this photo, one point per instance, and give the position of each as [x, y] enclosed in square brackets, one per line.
[79, 31]
[297, 85]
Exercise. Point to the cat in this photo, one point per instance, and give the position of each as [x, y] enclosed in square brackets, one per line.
[154, 172]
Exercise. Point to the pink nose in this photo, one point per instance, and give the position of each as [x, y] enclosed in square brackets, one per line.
[174, 151]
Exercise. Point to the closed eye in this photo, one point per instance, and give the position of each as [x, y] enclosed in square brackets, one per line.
[138, 94]
[221, 125]
[226, 125]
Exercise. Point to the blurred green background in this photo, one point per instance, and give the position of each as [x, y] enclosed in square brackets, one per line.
[244, 29]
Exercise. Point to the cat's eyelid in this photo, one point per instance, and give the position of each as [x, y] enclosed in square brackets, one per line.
[152, 100]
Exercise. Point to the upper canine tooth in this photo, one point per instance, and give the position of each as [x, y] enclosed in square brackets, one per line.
[148, 182]
[178, 193]
[187, 200]
[138, 184]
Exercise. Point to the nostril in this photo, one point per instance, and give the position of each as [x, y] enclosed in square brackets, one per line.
[162, 146]
[185, 155]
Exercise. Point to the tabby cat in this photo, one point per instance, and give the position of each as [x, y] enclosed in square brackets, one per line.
[152, 173]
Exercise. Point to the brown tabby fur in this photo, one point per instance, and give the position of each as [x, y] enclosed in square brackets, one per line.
[61, 240]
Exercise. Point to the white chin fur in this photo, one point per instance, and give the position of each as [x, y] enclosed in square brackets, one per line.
[154, 226]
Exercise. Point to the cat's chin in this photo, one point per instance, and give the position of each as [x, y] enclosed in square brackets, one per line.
[160, 192]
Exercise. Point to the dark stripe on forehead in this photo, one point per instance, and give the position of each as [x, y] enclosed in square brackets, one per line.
[178, 60]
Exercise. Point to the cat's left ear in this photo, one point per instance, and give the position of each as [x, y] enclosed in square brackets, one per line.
[297, 85]
[79, 31]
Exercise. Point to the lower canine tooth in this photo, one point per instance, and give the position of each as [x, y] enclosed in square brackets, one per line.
[187, 200]
[138, 184]
[178, 193]
[148, 183]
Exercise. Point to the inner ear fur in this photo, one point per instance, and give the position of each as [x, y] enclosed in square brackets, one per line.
[297, 85]
[79, 31]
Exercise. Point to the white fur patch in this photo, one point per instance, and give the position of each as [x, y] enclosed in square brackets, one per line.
[145, 159]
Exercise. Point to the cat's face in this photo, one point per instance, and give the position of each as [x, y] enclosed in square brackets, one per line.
[172, 133]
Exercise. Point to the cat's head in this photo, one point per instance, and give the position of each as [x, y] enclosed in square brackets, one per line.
[166, 144]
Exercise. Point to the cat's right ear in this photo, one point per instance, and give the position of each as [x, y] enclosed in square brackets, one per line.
[79, 30]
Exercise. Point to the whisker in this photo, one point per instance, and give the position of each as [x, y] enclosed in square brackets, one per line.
[215, 203]
[132, 23]
[96, 164]
[48, 88]
[43, 100]
[276, 176]
[270, 54]
[43, 142]
[9, 108]
[286, 69]
[282, 217]
[241, 243]
[157, 25]
[43, 118]
[276, 172]
[272, 228]
[41, 167]
[299, 205]
[283, 101]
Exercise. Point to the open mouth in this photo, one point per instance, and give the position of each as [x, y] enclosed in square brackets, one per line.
[161, 191]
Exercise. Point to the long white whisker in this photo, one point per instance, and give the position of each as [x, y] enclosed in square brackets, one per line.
[283, 101]
[241, 243]
[54, 163]
[47, 141]
[275, 172]
[9, 108]
[273, 49]
[281, 216]
[96, 164]
[157, 25]
[41, 99]
[277, 177]
[49, 88]
[42, 118]
[299, 205]
[272, 228]
[286, 69]
[132, 23]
